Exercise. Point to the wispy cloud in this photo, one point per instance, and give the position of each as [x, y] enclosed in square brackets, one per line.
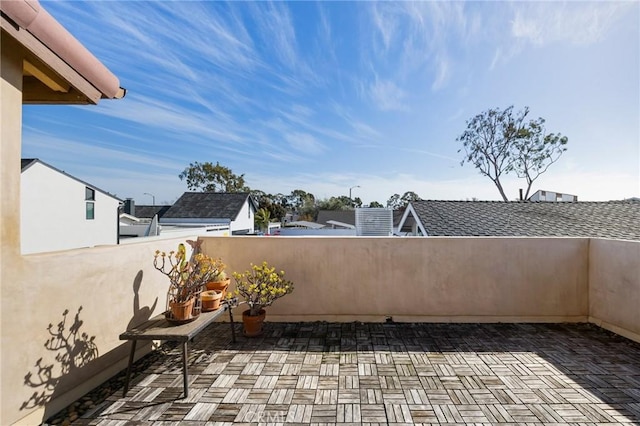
[49, 146]
[442, 72]
[387, 96]
[579, 23]
[274, 22]
[265, 87]
[417, 37]
[304, 143]
[538, 24]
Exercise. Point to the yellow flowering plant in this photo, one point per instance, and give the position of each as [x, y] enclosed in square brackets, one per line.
[260, 286]
[187, 277]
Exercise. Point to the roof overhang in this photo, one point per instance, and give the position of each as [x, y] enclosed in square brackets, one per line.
[57, 68]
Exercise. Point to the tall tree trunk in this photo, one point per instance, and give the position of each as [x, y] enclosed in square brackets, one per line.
[499, 185]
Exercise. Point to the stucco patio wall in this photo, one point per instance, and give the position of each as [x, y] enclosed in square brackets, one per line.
[337, 279]
[421, 279]
[614, 286]
[104, 290]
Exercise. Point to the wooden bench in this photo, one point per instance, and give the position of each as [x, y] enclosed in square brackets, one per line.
[158, 328]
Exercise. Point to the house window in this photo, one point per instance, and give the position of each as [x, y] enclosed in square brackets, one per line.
[90, 198]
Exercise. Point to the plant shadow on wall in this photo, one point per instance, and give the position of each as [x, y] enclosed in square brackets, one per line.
[73, 349]
[140, 315]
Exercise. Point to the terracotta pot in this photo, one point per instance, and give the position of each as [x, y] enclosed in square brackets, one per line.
[181, 310]
[211, 300]
[253, 325]
[220, 286]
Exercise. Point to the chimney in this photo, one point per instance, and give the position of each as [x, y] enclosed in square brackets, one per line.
[520, 194]
[130, 206]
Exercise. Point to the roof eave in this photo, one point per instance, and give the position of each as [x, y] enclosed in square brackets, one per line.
[58, 68]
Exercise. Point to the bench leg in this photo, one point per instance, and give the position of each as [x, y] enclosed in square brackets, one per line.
[131, 355]
[233, 328]
[185, 373]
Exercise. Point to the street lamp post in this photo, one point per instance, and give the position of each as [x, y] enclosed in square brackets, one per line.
[153, 198]
[357, 186]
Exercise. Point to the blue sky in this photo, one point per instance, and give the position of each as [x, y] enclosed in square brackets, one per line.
[326, 96]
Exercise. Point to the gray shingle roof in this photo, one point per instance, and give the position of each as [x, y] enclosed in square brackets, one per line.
[207, 205]
[147, 212]
[611, 219]
[344, 216]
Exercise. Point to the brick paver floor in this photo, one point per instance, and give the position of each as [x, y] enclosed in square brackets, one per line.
[394, 373]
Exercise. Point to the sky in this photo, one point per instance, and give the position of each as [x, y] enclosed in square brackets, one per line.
[333, 97]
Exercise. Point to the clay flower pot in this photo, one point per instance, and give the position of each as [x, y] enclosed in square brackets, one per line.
[253, 324]
[220, 286]
[211, 300]
[181, 310]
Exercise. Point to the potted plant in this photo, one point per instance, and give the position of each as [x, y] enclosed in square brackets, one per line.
[260, 286]
[187, 278]
[211, 300]
[220, 282]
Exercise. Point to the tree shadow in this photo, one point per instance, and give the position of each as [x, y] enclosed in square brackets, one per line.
[140, 315]
[74, 350]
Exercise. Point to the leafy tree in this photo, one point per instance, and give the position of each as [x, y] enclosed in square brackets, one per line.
[336, 203]
[258, 195]
[275, 204]
[209, 178]
[394, 202]
[262, 219]
[498, 142]
[536, 151]
[375, 204]
[397, 202]
[276, 211]
[298, 200]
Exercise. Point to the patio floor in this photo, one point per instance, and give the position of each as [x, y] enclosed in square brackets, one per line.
[393, 373]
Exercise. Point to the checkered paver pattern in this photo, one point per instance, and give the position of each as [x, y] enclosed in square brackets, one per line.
[395, 373]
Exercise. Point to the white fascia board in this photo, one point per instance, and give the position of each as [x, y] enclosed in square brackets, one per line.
[411, 211]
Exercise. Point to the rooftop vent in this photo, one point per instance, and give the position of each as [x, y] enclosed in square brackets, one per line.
[374, 222]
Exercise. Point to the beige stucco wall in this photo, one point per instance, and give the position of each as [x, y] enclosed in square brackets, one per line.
[114, 286]
[424, 279]
[614, 286]
[10, 132]
[96, 284]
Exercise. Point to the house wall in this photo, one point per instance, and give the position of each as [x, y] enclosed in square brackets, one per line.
[614, 286]
[53, 213]
[552, 196]
[245, 218]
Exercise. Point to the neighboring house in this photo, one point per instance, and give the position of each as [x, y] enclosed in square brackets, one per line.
[337, 219]
[611, 219]
[237, 210]
[139, 221]
[541, 195]
[59, 211]
[144, 212]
